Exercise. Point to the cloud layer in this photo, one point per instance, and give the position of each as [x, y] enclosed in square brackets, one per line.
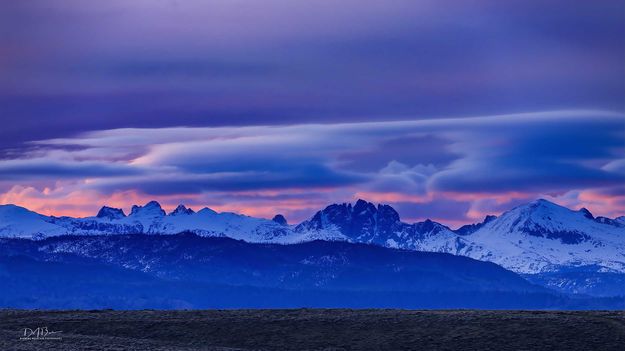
[454, 170]
[71, 66]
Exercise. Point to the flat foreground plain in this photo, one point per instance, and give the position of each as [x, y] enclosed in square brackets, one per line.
[316, 329]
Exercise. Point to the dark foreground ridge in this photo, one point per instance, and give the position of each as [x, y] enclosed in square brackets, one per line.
[315, 329]
[185, 271]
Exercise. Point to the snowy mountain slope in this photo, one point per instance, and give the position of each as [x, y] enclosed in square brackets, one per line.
[542, 236]
[17, 221]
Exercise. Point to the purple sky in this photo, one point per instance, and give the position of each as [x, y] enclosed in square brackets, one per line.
[445, 109]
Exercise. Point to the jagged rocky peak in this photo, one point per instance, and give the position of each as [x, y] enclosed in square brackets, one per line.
[586, 213]
[363, 207]
[181, 210]
[152, 208]
[618, 221]
[345, 212]
[280, 219]
[362, 221]
[387, 214]
[111, 213]
[489, 218]
[472, 228]
[605, 220]
[429, 226]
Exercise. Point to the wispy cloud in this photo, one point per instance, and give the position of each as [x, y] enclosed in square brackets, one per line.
[472, 166]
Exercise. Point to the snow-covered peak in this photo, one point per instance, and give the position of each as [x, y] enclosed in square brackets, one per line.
[206, 210]
[181, 210]
[14, 212]
[542, 236]
[16, 221]
[110, 213]
[151, 209]
[547, 219]
[543, 205]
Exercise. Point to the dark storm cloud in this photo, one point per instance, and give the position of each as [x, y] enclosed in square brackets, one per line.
[47, 169]
[72, 66]
[311, 177]
[536, 155]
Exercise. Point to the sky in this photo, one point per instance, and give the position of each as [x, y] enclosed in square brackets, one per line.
[444, 109]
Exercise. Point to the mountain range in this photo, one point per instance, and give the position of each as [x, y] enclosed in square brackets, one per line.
[536, 237]
[570, 251]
